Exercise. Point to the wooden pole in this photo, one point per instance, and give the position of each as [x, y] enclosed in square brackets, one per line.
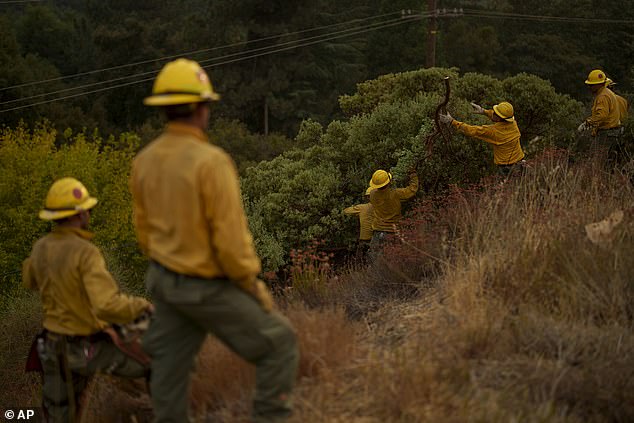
[430, 61]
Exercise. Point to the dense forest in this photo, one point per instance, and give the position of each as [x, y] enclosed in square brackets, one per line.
[88, 64]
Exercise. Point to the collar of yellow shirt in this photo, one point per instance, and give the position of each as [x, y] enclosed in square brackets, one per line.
[185, 129]
[72, 230]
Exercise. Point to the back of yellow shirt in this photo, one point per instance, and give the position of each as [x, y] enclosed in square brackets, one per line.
[623, 108]
[366, 216]
[79, 296]
[387, 205]
[188, 209]
[605, 111]
[504, 136]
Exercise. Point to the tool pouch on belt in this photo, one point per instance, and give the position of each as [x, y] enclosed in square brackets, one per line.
[33, 363]
[128, 339]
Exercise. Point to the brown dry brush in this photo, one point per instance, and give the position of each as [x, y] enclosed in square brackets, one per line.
[223, 384]
[492, 307]
[533, 322]
[521, 317]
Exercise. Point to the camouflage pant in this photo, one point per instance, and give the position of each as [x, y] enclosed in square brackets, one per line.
[363, 250]
[378, 242]
[507, 170]
[84, 357]
[606, 141]
[186, 310]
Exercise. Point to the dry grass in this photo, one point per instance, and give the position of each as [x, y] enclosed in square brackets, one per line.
[496, 308]
[529, 321]
[18, 325]
[326, 343]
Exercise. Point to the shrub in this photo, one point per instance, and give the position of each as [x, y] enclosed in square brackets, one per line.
[529, 320]
[299, 195]
[31, 161]
[310, 273]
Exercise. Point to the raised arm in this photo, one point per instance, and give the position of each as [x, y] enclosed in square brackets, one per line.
[409, 191]
[482, 132]
[352, 210]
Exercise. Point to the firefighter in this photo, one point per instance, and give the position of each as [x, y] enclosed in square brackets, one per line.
[80, 299]
[503, 134]
[604, 123]
[202, 276]
[624, 107]
[386, 201]
[365, 212]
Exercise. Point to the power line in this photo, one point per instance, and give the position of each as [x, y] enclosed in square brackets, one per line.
[154, 72]
[361, 31]
[191, 53]
[542, 18]
[20, 1]
[239, 59]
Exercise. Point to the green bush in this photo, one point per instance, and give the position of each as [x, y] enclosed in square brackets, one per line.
[296, 196]
[31, 161]
[300, 195]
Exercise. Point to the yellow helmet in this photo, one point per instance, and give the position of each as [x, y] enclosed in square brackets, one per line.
[368, 191]
[380, 178]
[595, 77]
[505, 111]
[65, 198]
[181, 81]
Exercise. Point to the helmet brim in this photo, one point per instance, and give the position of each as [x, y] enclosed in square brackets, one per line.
[176, 99]
[48, 214]
[508, 119]
[381, 185]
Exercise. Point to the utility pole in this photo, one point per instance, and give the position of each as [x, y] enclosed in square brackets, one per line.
[430, 61]
[433, 15]
[266, 115]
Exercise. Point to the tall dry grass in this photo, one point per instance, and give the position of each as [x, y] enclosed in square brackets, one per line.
[493, 306]
[223, 384]
[529, 321]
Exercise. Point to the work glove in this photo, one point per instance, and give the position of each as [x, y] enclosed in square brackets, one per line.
[477, 109]
[583, 127]
[258, 290]
[445, 118]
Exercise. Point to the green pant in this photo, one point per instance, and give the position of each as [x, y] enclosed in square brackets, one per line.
[506, 170]
[84, 358]
[186, 310]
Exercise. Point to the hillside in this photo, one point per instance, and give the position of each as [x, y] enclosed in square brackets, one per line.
[496, 306]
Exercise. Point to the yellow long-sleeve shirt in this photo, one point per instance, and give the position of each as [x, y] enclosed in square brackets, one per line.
[79, 296]
[624, 108]
[366, 215]
[387, 204]
[605, 111]
[504, 136]
[188, 211]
